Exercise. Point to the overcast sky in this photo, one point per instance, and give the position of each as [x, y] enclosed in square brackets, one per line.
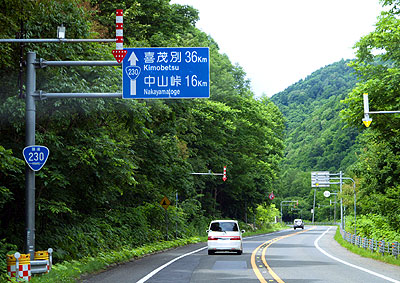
[280, 42]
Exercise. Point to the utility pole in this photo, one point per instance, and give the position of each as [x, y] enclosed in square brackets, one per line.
[341, 201]
[313, 211]
[30, 125]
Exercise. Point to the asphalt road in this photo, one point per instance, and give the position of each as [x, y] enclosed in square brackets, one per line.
[309, 255]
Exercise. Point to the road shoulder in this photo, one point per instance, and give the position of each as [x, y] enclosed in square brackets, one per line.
[332, 247]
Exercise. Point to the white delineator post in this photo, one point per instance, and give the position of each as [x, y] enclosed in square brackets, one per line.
[119, 29]
[119, 52]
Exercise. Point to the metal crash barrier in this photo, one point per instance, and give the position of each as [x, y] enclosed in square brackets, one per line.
[42, 261]
[380, 246]
[21, 266]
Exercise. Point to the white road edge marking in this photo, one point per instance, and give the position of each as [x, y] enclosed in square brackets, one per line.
[155, 271]
[349, 264]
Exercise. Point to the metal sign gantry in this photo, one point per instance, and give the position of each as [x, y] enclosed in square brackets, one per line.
[320, 179]
[339, 181]
[31, 96]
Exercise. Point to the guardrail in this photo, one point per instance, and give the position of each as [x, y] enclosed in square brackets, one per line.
[380, 246]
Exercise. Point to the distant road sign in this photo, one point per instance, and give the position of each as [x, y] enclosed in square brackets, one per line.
[164, 73]
[271, 196]
[327, 194]
[320, 179]
[36, 156]
[165, 202]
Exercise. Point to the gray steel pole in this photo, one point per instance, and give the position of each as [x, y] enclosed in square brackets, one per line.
[334, 211]
[281, 214]
[341, 202]
[355, 204]
[44, 95]
[43, 63]
[355, 208]
[313, 211]
[30, 121]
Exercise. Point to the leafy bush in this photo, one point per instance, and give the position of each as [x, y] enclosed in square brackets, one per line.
[5, 248]
[113, 229]
[373, 226]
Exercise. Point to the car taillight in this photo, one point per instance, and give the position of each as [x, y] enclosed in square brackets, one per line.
[236, 238]
[210, 238]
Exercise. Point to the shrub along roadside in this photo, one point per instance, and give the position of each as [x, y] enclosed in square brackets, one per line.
[365, 253]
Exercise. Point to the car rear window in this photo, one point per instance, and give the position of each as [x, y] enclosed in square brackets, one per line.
[224, 226]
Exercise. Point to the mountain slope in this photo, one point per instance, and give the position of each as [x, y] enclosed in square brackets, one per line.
[315, 138]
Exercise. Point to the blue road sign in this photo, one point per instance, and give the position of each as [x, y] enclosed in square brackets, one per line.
[181, 72]
[36, 156]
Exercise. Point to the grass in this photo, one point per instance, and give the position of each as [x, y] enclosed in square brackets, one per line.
[365, 252]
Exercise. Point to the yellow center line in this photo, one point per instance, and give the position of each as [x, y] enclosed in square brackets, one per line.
[265, 246]
[254, 265]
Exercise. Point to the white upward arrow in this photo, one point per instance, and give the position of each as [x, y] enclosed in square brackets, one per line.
[133, 59]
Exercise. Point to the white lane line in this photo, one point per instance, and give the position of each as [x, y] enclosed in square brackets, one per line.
[349, 264]
[155, 271]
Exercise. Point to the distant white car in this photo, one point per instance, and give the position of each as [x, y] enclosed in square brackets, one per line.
[224, 236]
[298, 223]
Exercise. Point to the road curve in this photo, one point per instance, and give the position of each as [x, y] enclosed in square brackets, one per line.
[309, 255]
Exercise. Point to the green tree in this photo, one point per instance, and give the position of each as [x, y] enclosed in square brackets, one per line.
[377, 65]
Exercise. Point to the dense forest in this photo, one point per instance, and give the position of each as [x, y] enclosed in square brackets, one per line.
[324, 131]
[111, 160]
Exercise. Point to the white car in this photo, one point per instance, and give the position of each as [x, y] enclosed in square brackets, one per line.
[224, 236]
[298, 223]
